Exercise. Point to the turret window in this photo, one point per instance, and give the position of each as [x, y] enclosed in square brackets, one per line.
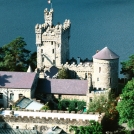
[97, 79]
[53, 51]
[41, 50]
[42, 59]
[99, 69]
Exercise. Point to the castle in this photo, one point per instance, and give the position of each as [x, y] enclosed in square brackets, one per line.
[52, 44]
[91, 77]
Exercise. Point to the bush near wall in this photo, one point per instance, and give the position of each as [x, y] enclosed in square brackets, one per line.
[71, 105]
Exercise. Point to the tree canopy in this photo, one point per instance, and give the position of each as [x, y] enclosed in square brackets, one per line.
[126, 105]
[63, 74]
[128, 67]
[15, 57]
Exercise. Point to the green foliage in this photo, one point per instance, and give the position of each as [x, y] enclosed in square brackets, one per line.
[63, 74]
[14, 56]
[93, 128]
[71, 105]
[126, 106]
[32, 60]
[45, 107]
[128, 66]
[98, 104]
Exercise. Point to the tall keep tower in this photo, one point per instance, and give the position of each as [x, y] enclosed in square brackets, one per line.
[105, 69]
[52, 41]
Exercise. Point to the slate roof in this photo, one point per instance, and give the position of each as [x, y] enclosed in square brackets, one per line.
[29, 104]
[106, 54]
[17, 131]
[63, 86]
[16, 79]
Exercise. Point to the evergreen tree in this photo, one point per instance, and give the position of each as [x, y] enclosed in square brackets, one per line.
[15, 57]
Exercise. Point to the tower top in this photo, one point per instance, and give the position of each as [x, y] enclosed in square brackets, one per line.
[106, 53]
[48, 16]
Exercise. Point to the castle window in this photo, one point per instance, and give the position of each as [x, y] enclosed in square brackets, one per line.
[20, 95]
[85, 75]
[11, 96]
[42, 59]
[99, 69]
[41, 50]
[97, 79]
[53, 61]
[17, 127]
[51, 42]
[53, 51]
[1, 95]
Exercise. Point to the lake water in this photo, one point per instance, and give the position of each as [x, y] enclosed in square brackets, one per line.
[94, 24]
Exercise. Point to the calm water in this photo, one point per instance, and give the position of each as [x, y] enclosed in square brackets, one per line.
[95, 24]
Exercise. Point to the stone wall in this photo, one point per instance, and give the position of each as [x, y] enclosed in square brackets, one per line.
[43, 123]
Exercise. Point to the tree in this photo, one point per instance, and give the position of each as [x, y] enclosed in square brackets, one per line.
[93, 128]
[14, 56]
[63, 74]
[125, 106]
[128, 67]
[32, 60]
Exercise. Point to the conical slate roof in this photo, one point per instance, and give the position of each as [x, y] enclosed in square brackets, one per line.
[105, 54]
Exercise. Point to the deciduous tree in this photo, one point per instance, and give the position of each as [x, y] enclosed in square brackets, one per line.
[125, 106]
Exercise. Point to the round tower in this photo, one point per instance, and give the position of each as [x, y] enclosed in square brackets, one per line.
[105, 69]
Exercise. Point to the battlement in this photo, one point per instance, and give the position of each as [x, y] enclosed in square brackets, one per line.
[48, 116]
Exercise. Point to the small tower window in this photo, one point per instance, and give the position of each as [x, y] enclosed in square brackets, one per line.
[53, 61]
[97, 79]
[99, 69]
[1, 95]
[51, 42]
[41, 50]
[42, 59]
[53, 51]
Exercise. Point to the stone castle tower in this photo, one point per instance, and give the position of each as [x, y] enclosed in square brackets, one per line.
[52, 41]
[105, 69]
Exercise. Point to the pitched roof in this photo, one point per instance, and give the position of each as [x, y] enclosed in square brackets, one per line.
[29, 104]
[17, 131]
[106, 54]
[63, 86]
[16, 79]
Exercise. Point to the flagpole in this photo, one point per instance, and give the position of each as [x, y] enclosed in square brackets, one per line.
[51, 5]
